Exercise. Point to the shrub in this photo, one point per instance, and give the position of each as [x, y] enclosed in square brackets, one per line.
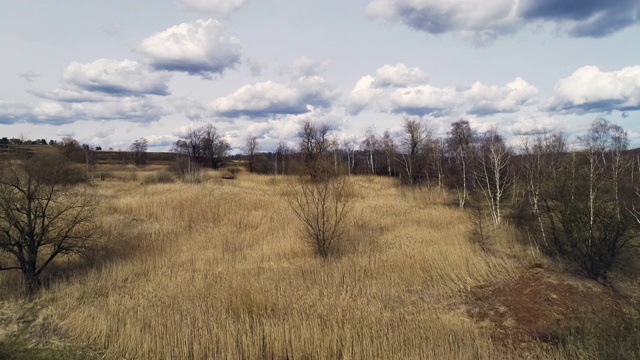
[322, 207]
[160, 177]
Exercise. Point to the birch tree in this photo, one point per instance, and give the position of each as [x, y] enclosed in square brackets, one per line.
[493, 173]
[460, 144]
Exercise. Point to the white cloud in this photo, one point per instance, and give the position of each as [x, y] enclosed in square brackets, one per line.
[161, 140]
[119, 78]
[399, 89]
[424, 100]
[72, 95]
[270, 98]
[533, 124]
[589, 89]
[486, 100]
[216, 7]
[369, 89]
[399, 75]
[363, 95]
[304, 66]
[132, 109]
[200, 48]
[492, 18]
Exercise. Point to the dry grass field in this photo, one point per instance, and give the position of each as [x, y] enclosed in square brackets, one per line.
[217, 270]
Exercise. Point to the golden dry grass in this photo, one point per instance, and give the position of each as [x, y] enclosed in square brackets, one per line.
[218, 271]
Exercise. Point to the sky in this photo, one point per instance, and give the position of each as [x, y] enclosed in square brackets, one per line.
[109, 72]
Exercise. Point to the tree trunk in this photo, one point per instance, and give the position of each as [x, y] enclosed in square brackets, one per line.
[31, 278]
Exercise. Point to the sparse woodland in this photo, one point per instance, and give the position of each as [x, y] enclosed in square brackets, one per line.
[397, 247]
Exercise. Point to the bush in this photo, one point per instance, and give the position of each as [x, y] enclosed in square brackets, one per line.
[322, 207]
[231, 173]
[160, 177]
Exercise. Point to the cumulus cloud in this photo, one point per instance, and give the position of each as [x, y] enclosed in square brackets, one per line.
[304, 66]
[424, 100]
[399, 89]
[589, 89]
[484, 23]
[285, 128]
[399, 75]
[580, 18]
[118, 78]
[215, 7]
[133, 109]
[71, 95]
[363, 95]
[201, 47]
[488, 100]
[369, 88]
[270, 98]
[161, 140]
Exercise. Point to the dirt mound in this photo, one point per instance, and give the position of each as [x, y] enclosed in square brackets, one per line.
[543, 305]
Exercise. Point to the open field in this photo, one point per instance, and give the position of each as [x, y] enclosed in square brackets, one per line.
[217, 270]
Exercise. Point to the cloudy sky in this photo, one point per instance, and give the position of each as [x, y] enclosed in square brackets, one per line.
[110, 72]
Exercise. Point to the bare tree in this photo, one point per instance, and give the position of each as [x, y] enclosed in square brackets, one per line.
[460, 144]
[390, 150]
[315, 147]
[214, 146]
[204, 145]
[583, 217]
[541, 159]
[412, 146]
[139, 151]
[193, 144]
[250, 148]
[493, 172]
[41, 215]
[70, 148]
[438, 154]
[349, 147]
[282, 151]
[322, 207]
[370, 145]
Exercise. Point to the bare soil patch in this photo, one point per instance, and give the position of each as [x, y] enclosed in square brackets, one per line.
[543, 305]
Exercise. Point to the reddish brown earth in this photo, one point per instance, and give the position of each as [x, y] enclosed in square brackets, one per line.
[543, 305]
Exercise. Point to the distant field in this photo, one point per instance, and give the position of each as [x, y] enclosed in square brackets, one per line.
[217, 270]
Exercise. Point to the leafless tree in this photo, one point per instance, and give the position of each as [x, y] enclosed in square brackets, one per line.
[349, 147]
[322, 207]
[204, 145]
[583, 216]
[250, 148]
[390, 150]
[282, 151]
[493, 173]
[437, 156]
[214, 146]
[541, 159]
[460, 144]
[370, 145]
[139, 151]
[315, 147]
[42, 216]
[412, 146]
